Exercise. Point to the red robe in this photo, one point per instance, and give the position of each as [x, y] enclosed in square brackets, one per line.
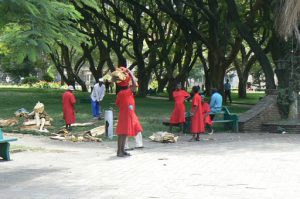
[197, 119]
[178, 114]
[206, 110]
[68, 101]
[128, 122]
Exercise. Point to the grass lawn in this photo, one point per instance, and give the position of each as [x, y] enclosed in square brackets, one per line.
[251, 99]
[151, 112]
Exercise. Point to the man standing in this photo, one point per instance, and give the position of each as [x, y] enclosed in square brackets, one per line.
[227, 91]
[97, 97]
[107, 84]
[68, 101]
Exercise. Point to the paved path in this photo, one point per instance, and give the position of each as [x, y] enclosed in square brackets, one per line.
[219, 166]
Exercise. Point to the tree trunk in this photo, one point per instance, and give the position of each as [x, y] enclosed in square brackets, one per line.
[217, 79]
[207, 82]
[143, 85]
[293, 110]
[217, 71]
[279, 51]
[161, 85]
[170, 88]
[82, 84]
[242, 88]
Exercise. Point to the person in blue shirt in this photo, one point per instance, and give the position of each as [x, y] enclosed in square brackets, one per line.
[215, 102]
[227, 91]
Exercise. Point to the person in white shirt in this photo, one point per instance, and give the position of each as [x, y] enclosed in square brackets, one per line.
[97, 97]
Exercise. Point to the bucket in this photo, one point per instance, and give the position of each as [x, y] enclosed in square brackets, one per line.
[109, 130]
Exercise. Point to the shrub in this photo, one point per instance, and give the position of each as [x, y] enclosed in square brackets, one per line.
[30, 80]
[44, 84]
[48, 78]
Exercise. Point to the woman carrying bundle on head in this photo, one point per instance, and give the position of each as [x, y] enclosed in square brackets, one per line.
[128, 122]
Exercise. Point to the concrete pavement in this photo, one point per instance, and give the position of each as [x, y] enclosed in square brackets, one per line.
[224, 165]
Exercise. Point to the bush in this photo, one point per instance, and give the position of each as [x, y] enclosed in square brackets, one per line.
[44, 84]
[154, 84]
[30, 80]
[48, 78]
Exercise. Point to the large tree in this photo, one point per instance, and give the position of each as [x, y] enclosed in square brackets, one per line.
[244, 29]
[287, 25]
[206, 23]
[31, 27]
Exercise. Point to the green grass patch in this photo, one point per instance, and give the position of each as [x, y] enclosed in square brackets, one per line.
[252, 98]
[151, 112]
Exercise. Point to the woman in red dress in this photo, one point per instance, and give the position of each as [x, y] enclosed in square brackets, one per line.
[128, 123]
[197, 126]
[178, 114]
[68, 101]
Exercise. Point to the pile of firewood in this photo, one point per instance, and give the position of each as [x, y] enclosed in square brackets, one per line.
[163, 137]
[93, 135]
[9, 122]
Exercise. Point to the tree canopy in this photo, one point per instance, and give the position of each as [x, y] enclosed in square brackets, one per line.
[160, 39]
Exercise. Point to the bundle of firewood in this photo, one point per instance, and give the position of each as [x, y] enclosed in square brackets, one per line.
[119, 75]
[163, 137]
[93, 135]
[9, 122]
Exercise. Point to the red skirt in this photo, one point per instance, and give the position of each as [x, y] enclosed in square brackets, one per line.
[178, 114]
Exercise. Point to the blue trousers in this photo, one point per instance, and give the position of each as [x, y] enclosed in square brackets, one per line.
[96, 109]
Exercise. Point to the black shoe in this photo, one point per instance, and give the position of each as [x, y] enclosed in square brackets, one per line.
[121, 155]
[126, 153]
[129, 149]
[139, 147]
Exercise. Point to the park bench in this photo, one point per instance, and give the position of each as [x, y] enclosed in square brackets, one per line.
[4, 146]
[229, 120]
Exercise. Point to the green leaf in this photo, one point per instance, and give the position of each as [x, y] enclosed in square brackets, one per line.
[32, 55]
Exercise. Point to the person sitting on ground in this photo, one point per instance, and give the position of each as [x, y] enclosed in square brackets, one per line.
[206, 117]
[197, 126]
[68, 101]
[215, 102]
[178, 114]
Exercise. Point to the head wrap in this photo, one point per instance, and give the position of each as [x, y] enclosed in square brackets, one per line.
[121, 76]
[70, 88]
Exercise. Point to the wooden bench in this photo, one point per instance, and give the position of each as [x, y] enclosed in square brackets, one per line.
[229, 120]
[4, 146]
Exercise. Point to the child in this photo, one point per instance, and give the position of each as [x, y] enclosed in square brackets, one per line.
[207, 120]
[197, 126]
